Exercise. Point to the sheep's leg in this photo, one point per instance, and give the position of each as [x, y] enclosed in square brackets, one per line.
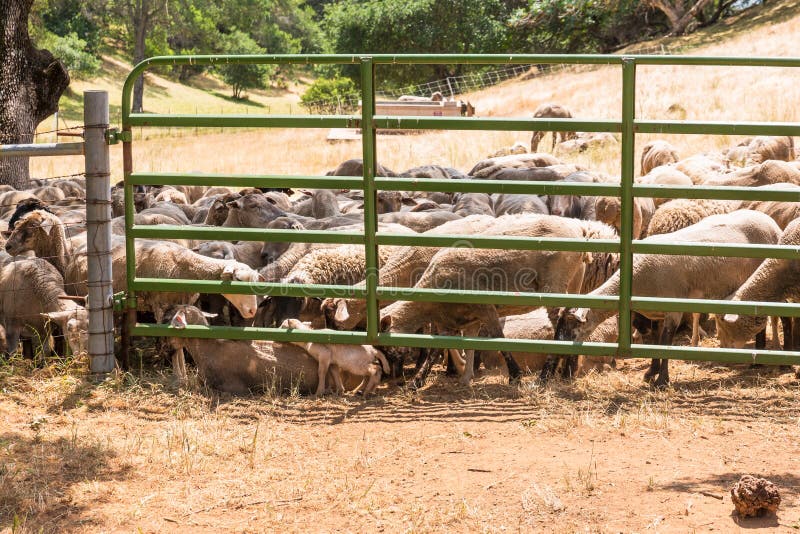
[374, 379]
[549, 367]
[322, 371]
[424, 356]
[336, 372]
[179, 364]
[671, 323]
[494, 329]
[761, 340]
[537, 136]
[655, 363]
[788, 333]
[776, 340]
[469, 355]
[695, 329]
[422, 374]
[12, 340]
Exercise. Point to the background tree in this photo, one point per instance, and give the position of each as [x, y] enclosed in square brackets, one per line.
[680, 12]
[243, 76]
[31, 83]
[139, 17]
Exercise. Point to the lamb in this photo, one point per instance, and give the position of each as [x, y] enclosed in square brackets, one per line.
[508, 270]
[608, 210]
[551, 111]
[241, 367]
[359, 360]
[680, 213]
[655, 275]
[656, 154]
[775, 280]
[487, 168]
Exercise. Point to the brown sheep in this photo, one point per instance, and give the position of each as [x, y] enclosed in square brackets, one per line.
[551, 111]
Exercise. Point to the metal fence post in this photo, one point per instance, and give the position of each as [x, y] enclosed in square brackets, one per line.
[98, 232]
[626, 206]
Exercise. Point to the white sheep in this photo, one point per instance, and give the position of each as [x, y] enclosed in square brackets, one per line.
[656, 154]
[359, 360]
[673, 276]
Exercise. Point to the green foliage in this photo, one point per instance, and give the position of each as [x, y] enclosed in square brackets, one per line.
[72, 51]
[329, 94]
[241, 77]
[416, 26]
[581, 26]
[85, 19]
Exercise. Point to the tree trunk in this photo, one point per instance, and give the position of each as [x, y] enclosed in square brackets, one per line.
[140, 22]
[678, 15]
[31, 83]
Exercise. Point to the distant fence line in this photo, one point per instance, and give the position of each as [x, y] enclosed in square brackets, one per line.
[456, 85]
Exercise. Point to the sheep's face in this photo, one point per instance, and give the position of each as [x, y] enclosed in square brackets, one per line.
[27, 233]
[217, 213]
[247, 305]
[565, 205]
[735, 330]
[74, 324]
[185, 315]
[571, 325]
[343, 314]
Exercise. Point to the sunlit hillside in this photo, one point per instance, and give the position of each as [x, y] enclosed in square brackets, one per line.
[665, 92]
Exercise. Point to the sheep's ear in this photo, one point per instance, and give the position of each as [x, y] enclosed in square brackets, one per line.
[178, 321]
[260, 277]
[408, 201]
[270, 199]
[580, 314]
[342, 314]
[386, 323]
[730, 317]
[208, 315]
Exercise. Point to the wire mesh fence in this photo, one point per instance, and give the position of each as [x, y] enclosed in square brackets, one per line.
[453, 86]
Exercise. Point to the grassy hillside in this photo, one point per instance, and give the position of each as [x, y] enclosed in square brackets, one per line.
[693, 93]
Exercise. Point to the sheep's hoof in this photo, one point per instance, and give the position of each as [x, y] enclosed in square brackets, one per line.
[514, 380]
[661, 382]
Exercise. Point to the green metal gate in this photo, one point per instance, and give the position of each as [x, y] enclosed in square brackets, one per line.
[628, 127]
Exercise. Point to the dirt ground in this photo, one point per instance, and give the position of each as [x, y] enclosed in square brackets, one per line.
[604, 453]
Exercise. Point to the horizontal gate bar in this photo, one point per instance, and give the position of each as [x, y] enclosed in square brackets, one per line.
[725, 250]
[171, 231]
[716, 192]
[477, 343]
[41, 149]
[769, 357]
[717, 127]
[275, 289]
[242, 121]
[411, 122]
[245, 180]
[497, 186]
[782, 309]
[508, 298]
[469, 59]
[499, 242]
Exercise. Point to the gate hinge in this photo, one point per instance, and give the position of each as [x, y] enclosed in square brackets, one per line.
[114, 136]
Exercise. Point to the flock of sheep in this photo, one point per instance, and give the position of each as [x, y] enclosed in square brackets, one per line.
[45, 259]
